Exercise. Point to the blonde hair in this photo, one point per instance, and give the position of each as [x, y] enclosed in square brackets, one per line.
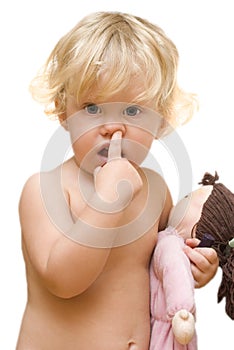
[123, 46]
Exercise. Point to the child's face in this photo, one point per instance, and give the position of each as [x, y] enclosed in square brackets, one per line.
[92, 125]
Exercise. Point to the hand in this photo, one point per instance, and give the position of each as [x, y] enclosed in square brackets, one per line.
[117, 179]
[204, 262]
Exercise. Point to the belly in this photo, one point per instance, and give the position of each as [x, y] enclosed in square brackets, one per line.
[112, 314]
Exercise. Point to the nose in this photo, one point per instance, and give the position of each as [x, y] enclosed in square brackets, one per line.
[110, 128]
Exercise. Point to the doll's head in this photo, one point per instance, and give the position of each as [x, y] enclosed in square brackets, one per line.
[187, 212]
[210, 210]
[102, 54]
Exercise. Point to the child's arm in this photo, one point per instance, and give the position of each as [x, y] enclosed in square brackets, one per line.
[67, 268]
[204, 262]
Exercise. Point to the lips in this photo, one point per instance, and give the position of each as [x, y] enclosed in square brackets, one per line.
[104, 152]
[103, 149]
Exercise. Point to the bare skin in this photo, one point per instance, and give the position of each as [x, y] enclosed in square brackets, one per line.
[73, 312]
[92, 297]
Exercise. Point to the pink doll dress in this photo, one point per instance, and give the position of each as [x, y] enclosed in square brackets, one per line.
[172, 289]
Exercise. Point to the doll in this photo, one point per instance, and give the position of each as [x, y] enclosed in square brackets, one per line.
[209, 209]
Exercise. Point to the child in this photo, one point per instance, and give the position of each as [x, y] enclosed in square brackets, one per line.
[89, 226]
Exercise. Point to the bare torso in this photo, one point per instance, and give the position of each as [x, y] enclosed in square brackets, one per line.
[113, 313]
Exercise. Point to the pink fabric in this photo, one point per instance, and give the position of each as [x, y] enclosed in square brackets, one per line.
[172, 289]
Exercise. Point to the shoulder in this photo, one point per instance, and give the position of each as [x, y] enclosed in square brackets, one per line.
[153, 175]
[31, 186]
[34, 187]
[30, 195]
[159, 187]
[45, 192]
[156, 181]
[33, 183]
[48, 179]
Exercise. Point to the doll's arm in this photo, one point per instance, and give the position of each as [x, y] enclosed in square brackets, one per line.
[172, 268]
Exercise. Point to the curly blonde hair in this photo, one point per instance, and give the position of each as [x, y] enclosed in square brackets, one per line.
[124, 46]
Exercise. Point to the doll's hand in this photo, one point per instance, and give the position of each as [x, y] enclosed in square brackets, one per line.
[117, 179]
[204, 262]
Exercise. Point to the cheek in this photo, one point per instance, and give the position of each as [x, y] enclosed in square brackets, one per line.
[83, 146]
[84, 152]
[137, 145]
[147, 140]
[142, 137]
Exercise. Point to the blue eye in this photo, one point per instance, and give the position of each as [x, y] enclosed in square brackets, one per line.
[92, 108]
[132, 111]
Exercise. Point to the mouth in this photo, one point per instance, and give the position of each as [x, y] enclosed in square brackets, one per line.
[103, 152]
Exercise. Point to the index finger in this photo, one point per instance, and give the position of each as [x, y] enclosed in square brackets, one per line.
[115, 148]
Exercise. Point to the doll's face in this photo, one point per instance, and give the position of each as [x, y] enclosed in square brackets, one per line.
[187, 212]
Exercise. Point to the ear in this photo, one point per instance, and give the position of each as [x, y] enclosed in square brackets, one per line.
[62, 116]
[164, 130]
[63, 120]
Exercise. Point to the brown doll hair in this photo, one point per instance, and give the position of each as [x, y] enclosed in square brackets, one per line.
[217, 219]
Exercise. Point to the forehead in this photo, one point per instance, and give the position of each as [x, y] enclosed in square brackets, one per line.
[105, 91]
[190, 206]
[127, 94]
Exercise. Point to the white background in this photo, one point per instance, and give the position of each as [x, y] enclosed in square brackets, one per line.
[203, 32]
